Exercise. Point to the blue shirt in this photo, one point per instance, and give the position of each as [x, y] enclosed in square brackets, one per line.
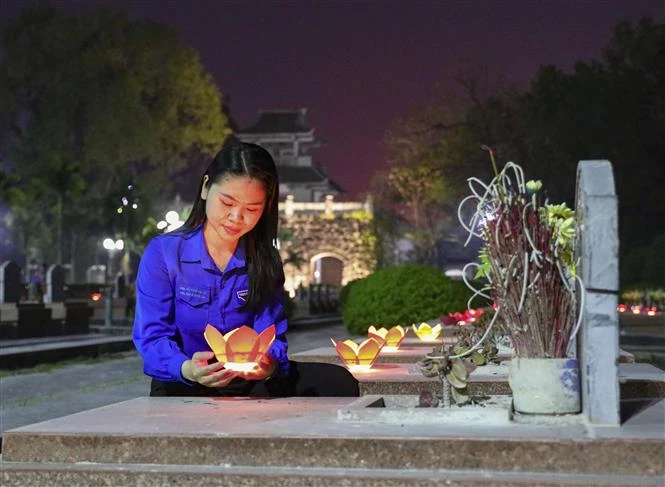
[180, 289]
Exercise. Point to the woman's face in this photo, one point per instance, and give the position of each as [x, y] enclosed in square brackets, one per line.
[233, 207]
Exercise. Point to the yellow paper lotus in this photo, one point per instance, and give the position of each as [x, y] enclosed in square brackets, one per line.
[239, 349]
[427, 333]
[358, 357]
[393, 337]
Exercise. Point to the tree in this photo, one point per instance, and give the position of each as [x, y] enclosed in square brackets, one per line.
[613, 108]
[90, 104]
[417, 183]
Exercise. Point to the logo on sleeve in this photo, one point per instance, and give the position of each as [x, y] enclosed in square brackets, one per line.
[242, 295]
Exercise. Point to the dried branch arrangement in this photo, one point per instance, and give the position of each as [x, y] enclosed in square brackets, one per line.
[526, 260]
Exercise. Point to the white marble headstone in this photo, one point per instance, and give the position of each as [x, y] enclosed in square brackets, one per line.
[598, 254]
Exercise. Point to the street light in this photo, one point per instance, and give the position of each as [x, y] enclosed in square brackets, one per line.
[112, 246]
[170, 222]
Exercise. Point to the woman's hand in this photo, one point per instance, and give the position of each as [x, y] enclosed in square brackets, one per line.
[197, 370]
[264, 368]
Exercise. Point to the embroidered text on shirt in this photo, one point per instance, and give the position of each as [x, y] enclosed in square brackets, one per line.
[194, 292]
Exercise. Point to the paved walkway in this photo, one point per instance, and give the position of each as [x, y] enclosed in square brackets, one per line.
[35, 397]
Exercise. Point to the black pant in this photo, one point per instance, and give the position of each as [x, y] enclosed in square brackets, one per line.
[311, 379]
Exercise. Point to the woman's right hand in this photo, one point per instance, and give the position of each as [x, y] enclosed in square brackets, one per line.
[197, 370]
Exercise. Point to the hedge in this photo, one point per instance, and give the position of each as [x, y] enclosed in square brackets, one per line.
[400, 295]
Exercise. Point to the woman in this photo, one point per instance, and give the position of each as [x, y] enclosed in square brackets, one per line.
[222, 268]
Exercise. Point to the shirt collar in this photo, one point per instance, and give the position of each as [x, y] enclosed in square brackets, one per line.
[194, 250]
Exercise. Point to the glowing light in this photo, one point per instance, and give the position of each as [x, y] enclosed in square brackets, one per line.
[172, 217]
[621, 308]
[426, 333]
[457, 318]
[171, 222]
[652, 311]
[95, 296]
[472, 314]
[363, 369]
[240, 349]
[363, 355]
[109, 244]
[240, 366]
[392, 338]
[636, 309]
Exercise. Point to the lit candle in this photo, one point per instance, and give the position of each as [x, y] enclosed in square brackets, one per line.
[241, 349]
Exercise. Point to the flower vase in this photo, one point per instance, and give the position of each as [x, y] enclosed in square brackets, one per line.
[545, 385]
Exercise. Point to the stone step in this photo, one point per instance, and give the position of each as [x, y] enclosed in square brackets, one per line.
[21, 474]
[305, 433]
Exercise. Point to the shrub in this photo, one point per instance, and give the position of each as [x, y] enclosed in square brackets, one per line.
[400, 295]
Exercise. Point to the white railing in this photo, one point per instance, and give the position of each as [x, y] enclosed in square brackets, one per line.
[328, 207]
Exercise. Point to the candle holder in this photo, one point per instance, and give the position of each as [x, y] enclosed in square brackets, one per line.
[393, 338]
[426, 332]
[358, 357]
[241, 349]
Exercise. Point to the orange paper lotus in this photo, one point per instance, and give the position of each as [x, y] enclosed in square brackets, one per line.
[393, 337]
[358, 357]
[426, 332]
[239, 349]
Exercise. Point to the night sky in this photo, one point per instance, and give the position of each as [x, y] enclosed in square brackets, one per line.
[357, 65]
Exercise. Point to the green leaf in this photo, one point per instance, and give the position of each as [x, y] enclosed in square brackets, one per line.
[460, 370]
[478, 358]
[460, 396]
[455, 381]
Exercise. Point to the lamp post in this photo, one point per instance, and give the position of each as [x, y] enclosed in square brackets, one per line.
[111, 246]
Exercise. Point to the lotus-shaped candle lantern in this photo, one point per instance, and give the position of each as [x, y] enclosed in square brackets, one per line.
[240, 349]
[358, 358]
[426, 332]
[393, 337]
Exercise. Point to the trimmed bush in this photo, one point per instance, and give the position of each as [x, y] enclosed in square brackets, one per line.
[401, 295]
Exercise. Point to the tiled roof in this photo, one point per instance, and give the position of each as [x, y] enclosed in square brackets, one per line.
[300, 174]
[305, 174]
[279, 122]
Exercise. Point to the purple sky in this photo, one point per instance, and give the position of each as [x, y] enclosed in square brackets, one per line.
[357, 65]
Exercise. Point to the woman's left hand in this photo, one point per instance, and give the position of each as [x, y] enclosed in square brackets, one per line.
[264, 368]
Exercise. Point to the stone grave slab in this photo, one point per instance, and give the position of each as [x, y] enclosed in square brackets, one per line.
[405, 354]
[635, 380]
[413, 341]
[233, 437]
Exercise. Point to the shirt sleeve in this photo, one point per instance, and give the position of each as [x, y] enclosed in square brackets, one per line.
[273, 312]
[154, 328]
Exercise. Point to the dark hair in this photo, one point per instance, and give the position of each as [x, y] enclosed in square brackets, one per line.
[263, 261]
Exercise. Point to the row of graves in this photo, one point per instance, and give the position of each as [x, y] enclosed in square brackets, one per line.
[52, 315]
[422, 418]
[57, 312]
